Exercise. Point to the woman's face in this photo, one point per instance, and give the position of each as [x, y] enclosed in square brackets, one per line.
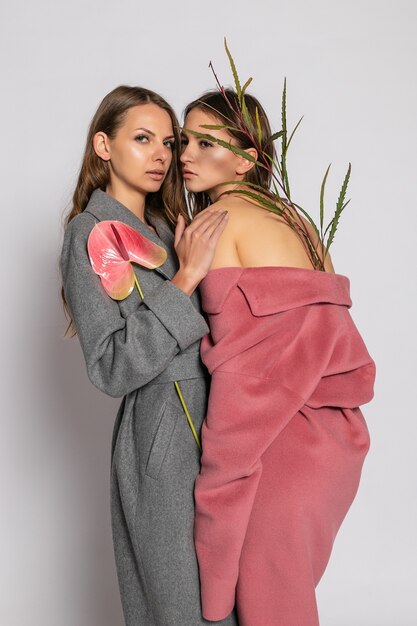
[206, 165]
[140, 154]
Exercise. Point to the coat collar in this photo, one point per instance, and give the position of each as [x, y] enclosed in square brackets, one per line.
[273, 289]
[104, 207]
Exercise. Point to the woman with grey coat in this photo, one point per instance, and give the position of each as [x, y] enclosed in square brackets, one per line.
[137, 348]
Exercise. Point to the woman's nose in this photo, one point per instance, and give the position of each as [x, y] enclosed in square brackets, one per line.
[161, 154]
[186, 155]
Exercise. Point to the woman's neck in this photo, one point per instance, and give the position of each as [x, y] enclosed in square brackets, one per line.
[131, 199]
[218, 192]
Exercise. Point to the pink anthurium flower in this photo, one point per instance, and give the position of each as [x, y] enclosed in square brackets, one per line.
[112, 247]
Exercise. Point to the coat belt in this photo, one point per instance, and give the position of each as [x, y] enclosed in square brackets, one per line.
[183, 367]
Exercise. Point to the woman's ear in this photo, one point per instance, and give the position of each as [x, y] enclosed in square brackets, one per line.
[244, 165]
[101, 146]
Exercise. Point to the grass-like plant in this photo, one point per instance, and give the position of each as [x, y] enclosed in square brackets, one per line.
[278, 198]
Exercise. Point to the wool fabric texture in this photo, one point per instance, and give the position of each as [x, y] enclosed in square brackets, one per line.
[135, 349]
[283, 442]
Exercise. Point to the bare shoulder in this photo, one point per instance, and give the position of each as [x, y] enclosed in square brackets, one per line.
[241, 212]
[232, 205]
[264, 238]
[226, 254]
[257, 237]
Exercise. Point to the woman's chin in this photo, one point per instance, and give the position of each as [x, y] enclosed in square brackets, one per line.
[194, 187]
[152, 186]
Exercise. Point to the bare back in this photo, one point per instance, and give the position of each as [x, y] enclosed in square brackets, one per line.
[256, 237]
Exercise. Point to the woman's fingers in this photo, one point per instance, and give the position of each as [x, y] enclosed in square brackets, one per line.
[179, 229]
[195, 229]
[195, 245]
[216, 226]
[201, 218]
[205, 223]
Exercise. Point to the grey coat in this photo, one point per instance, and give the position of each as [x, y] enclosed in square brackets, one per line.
[136, 349]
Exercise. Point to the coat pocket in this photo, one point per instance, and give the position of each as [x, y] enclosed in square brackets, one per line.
[168, 419]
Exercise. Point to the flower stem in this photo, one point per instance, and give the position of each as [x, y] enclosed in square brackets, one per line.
[138, 286]
[190, 421]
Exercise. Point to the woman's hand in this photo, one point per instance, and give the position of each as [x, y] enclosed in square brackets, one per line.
[195, 246]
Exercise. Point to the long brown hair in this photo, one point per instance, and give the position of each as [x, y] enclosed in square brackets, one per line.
[94, 173]
[214, 103]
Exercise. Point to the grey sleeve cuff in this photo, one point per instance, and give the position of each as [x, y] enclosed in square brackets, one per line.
[177, 313]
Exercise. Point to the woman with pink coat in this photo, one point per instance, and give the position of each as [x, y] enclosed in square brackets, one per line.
[284, 439]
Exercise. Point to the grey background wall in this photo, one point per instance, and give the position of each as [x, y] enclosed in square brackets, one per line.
[350, 67]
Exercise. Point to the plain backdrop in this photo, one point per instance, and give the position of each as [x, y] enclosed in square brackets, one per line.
[351, 70]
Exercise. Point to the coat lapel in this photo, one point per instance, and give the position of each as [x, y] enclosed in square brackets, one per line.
[104, 207]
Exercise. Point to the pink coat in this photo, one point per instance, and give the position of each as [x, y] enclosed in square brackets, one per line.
[283, 442]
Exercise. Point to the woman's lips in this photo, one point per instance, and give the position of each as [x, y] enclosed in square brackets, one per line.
[156, 174]
[188, 174]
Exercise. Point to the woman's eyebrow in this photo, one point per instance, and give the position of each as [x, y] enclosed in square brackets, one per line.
[146, 131]
[171, 136]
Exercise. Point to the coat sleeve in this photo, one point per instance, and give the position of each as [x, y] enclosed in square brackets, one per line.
[123, 353]
[253, 396]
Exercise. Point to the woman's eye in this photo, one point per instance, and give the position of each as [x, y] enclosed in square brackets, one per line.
[170, 143]
[141, 138]
[205, 144]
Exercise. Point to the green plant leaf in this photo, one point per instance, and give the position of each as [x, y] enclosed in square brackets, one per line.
[294, 215]
[310, 219]
[246, 116]
[246, 183]
[314, 257]
[258, 125]
[269, 158]
[225, 144]
[284, 141]
[275, 136]
[261, 200]
[208, 106]
[234, 72]
[276, 191]
[340, 206]
[246, 85]
[323, 184]
[275, 165]
[330, 224]
[217, 127]
[284, 113]
[293, 132]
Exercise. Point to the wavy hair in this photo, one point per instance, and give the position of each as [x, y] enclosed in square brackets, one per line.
[169, 200]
